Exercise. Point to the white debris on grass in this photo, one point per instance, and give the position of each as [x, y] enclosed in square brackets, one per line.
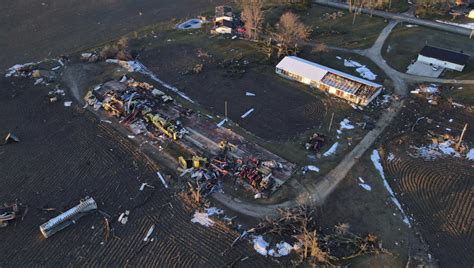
[411, 25]
[38, 81]
[142, 187]
[250, 94]
[361, 69]
[221, 123]
[435, 151]
[331, 150]
[310, 168]
[247, 113]
[67, 103]
[214, 211]
[365, 186]
[346, 124]
[55, 68]
[470, 154]
[375, 157]
[131, 136]
[338, 57]
[430, 89]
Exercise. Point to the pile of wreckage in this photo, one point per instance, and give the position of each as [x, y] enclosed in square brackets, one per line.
[139, 106]
[315, 142]
[251, 171]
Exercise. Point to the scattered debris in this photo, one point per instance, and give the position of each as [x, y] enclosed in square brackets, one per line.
[315, 142]
[203, 217]
[297, 230]
[142, 187]
[346, 124]
[249, 94]
[10, 212]
[69, 217]
[162, 179]
[470, 154]
[310, 168]
[10, 138]
[247, 113]
[67, 103]
[149, 233]
[331, 150]
[221, 123]
[123, 218]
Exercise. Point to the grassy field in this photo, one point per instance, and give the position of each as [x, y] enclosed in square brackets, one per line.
[339, 31]
[403, 45]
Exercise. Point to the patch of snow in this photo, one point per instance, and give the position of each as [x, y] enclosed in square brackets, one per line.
[346, 124]
[352, 63]
[470, 154]
[136, 66]
[375, 157]
[202, 218]
[250, 94]
[38, 81]
[247, 113]
[365, 186]
[331, 150]
[361, 69]
[282, 249]
[435, 151]
[260, 245]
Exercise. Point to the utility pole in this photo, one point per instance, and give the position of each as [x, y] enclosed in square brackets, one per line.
[225, 110]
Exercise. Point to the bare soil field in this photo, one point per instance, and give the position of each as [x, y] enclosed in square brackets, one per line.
[65, 154]
[437, 193]
[30, 31]
[282, 108]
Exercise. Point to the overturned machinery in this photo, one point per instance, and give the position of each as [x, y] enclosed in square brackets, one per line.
[137, 103]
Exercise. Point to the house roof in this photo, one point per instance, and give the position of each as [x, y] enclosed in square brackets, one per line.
[315, 71]
[445, 55]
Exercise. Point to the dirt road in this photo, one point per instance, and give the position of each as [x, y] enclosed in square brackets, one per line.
[33, 30]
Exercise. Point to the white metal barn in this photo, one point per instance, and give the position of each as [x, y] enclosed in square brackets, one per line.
[346, 86]
[443, 58]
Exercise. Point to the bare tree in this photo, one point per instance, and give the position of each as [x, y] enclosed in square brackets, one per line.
[252, 16]
[290, 32]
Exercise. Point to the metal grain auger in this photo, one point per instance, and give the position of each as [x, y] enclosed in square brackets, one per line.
[60, 222]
